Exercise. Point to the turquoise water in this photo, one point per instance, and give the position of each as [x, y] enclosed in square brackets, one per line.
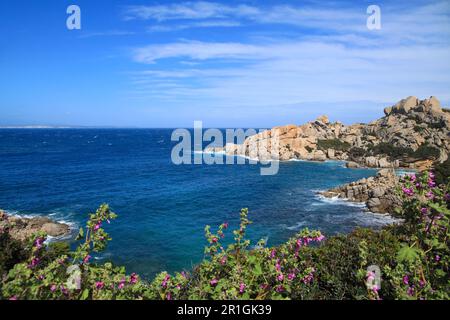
[163, 208]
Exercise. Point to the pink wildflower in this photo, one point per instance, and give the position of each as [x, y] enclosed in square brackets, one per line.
[165, 280]
[241, 288]
[99, 285]
[214, 281]
[408, 191]
[133, 278]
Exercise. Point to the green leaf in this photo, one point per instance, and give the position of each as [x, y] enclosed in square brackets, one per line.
[85, 294]
[258, 270]
[407, 254]
[80, 234]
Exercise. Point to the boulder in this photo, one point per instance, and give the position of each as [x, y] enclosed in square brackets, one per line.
[352, 164]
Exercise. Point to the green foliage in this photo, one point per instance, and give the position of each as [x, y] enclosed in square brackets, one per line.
[390, 150]
[356, 152]
[426, 152]
[335, 144]
[423, 152]
[442, 172]
[11, 252]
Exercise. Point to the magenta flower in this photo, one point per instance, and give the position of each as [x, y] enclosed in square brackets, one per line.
[169, 296]
[86, 259]
[370, 276]
[280, 277]
[53, 288]
[408, 191]
[431, 183]
[133, 278]
[13, 298]
[121, 283]
[97, 226]
[405, 279]
[430, 195]
[165, 280]
[431, 175]
[410, 291]
[320, 238]
[273, 253]
[64, 290]
[225, 225]
[437, 258]
[34, 262]
[38, 243]
[291, 276]
[279, 288]
[223, 260]
[241, 288]
[412, 177]
[214, 239]
[214, 281]
[424, 210]
[99, 285]
[277, 265]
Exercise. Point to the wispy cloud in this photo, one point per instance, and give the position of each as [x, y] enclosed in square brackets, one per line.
[109, 33]
[339, 61]
[198, 24]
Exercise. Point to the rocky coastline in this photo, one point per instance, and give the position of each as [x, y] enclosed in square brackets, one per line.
[413, 134]
[21, 228]
[379, 193]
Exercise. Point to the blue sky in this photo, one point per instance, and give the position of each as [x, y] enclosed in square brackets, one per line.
[227, 63]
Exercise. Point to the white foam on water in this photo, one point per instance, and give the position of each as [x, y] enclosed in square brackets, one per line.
[365, 216]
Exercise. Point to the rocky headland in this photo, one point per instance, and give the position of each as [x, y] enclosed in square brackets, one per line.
[412, 134]
[21, 228]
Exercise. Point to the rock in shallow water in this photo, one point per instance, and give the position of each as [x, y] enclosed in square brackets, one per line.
[23, 228]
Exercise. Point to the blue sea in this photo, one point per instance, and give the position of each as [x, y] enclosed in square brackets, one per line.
[162, 207]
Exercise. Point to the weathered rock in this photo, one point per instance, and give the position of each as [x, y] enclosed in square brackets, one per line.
[23, 228]
[378, 193]
[409, 124]
[351, 164]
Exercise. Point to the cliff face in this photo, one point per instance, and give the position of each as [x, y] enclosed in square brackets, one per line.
[413, 133]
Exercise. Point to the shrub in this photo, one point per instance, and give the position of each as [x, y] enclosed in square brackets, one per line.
[442, 171]
[426, 152]
[391, 150]
[356, 152]
[11, 252]
[335, 144]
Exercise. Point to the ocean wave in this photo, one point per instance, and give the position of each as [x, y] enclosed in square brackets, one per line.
[336, 200]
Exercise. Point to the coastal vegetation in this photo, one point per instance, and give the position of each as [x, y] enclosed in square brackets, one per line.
[413, 258]
[335, 144]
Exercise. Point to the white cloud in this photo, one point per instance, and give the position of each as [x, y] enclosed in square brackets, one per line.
[199, 24]
[409, 56]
